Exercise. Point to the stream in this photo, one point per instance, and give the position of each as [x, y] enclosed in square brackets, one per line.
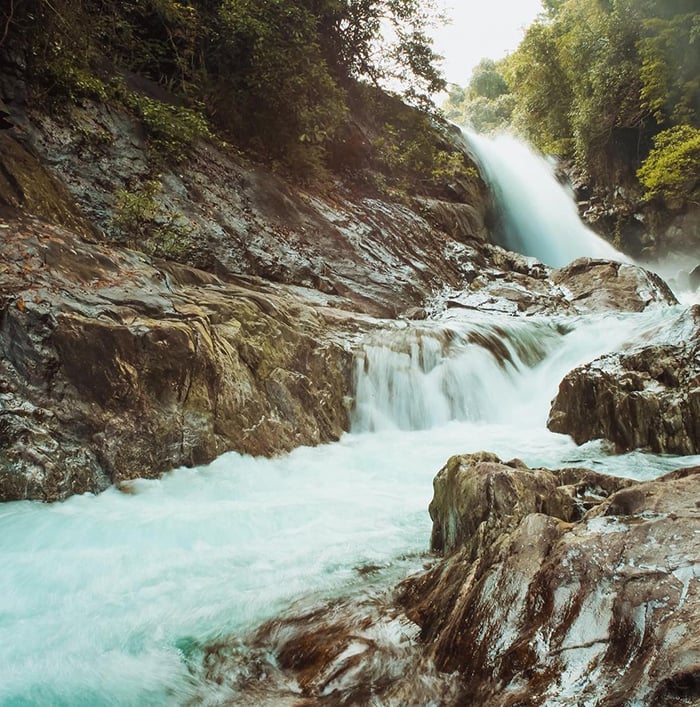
[101, 595]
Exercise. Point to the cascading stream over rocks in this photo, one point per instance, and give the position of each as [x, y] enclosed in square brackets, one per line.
[256, 580]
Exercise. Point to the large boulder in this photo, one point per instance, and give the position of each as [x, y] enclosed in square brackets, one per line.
[115, 366]
[478, 499]
[647, 396]
[604, 610]
[603, 285]
[513, 284]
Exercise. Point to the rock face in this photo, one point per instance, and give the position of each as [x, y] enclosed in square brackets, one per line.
[513, 284]
[114, 366]
[537, 605]
[383, 256]
[645, 397]
[599, 285]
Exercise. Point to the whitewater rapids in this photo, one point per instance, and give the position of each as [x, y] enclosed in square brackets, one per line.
[100, 596]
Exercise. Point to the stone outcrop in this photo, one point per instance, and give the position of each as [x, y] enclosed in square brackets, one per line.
[555, 587]
[533, 606]
[600, 285]
[514, 284]
[477, 499]
[114, 365]
[647, 396]
[237, 217]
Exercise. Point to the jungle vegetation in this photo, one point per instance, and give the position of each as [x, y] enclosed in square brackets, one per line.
[611, 84]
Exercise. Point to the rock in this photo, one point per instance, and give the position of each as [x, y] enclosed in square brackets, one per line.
[603, 285]
[524, 608]
[381, 256]
[647, 396]
[113, 366]
[694, 278]
[531, 609]
[474, 491]
[509, 283]
[28, 187]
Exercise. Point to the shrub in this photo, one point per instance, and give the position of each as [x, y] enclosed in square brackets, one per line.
[672, 169]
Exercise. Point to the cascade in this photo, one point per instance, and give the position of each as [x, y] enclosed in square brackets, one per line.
[422, 377]
[536, 214]
[107, 599]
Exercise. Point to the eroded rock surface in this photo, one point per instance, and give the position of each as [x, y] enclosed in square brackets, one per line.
[532, 609]
[647, 396]
[514, 284]
[557, 587]
[382, 255]
[115, 366]
[601, 285]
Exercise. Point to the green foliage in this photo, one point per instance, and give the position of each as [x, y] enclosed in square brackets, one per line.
[487, 81]
[407, 150]
[141, 221]
[670, 52]
[171, 129]
[672, 169]
[486, 104]
[270, 75]
[594, 80]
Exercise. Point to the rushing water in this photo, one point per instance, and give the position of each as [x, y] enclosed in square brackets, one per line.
[102, 598]
[99, 596]
[536, 216]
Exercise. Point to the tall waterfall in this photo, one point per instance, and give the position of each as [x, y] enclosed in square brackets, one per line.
[536, 215]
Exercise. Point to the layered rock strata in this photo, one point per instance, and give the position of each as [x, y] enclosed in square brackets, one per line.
[538, 602]
[114, 365]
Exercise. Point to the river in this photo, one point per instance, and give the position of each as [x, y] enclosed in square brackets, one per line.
[100, 597]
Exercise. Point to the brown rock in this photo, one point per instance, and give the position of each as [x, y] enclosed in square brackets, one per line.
[605, 610]
[602, 285]
[645, 397]
[111, 368]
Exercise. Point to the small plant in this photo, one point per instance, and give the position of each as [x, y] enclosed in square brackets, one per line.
[171, 129]
[141, 221]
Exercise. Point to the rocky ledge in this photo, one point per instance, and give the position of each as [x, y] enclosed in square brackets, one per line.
[114, 365]
[647, 396]
[514, 284]
[542, 602]
[554, 588]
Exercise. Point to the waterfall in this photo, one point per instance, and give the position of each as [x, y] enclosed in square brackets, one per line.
[423, 377]
[536, 214]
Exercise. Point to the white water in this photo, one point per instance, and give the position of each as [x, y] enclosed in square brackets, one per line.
[99, 595]
[537, 217]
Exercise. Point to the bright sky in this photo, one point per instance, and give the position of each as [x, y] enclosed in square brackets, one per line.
[480, 28]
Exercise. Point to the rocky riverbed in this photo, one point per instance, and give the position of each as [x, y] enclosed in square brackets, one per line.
[547, 585]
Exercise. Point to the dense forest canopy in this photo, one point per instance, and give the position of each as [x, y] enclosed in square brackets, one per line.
[273, 76]
[614, 84]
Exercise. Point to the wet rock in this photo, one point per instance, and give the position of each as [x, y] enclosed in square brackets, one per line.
[647, 396]
[113, 366]
[694, 278]
[602, 285]
[28, 187]
[477, 499]
[382, 256]
[509, 283]
[352, 652]
[539, 611]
